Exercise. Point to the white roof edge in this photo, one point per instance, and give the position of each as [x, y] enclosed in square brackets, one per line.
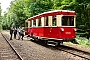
[58, 11]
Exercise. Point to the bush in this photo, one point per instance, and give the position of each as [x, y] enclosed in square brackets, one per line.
[83, 41]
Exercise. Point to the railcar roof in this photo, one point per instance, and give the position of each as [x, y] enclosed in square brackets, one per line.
[51, 13]
[58, 11]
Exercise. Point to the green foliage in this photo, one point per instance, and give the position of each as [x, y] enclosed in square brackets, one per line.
[83, 41]
[0, 10]
[20, 10]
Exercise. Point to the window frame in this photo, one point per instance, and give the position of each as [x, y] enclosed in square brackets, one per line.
[74, 18]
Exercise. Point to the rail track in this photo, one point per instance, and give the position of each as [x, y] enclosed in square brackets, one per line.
[70, 50]
[83, 54]
[76, 52]
[9, 52]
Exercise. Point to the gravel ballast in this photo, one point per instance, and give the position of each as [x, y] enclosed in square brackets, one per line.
[33, 51]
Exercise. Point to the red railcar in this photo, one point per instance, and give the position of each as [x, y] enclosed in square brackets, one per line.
[53, 26]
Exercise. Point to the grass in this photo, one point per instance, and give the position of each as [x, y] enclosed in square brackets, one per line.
[83, 41]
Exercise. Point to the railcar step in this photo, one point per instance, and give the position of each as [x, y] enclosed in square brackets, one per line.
[51, 44]
[51, 41]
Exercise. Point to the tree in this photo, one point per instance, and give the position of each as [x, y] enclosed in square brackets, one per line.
[20, 10]
[0, 17]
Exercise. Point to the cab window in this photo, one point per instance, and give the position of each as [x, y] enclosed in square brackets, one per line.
[68, 21]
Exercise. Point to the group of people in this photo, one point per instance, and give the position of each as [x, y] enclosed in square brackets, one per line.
[19, 32]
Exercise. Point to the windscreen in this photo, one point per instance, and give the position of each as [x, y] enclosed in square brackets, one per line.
[68, 21]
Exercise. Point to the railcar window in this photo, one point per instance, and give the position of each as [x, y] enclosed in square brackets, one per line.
[26, 24]
[68, 21]
[39, 22]
[54, 21]
[31, 23]
[46, 21]
[34, 23]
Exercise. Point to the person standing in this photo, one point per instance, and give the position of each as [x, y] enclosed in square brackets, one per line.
[18, 33]
[15, 32]
[11, 32]
[22, 33]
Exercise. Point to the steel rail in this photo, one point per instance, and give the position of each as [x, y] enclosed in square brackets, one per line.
[63, 48]
[13, 48]
[74, 50]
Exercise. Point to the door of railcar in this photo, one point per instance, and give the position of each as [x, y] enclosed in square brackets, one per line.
[54, 30]
[26, 28]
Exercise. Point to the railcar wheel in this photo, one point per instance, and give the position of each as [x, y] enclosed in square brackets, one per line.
[58, 44]
[36, 38]
[74, 41]
[61, 42]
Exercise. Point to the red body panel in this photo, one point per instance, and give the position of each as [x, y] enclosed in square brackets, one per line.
[53, 32]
